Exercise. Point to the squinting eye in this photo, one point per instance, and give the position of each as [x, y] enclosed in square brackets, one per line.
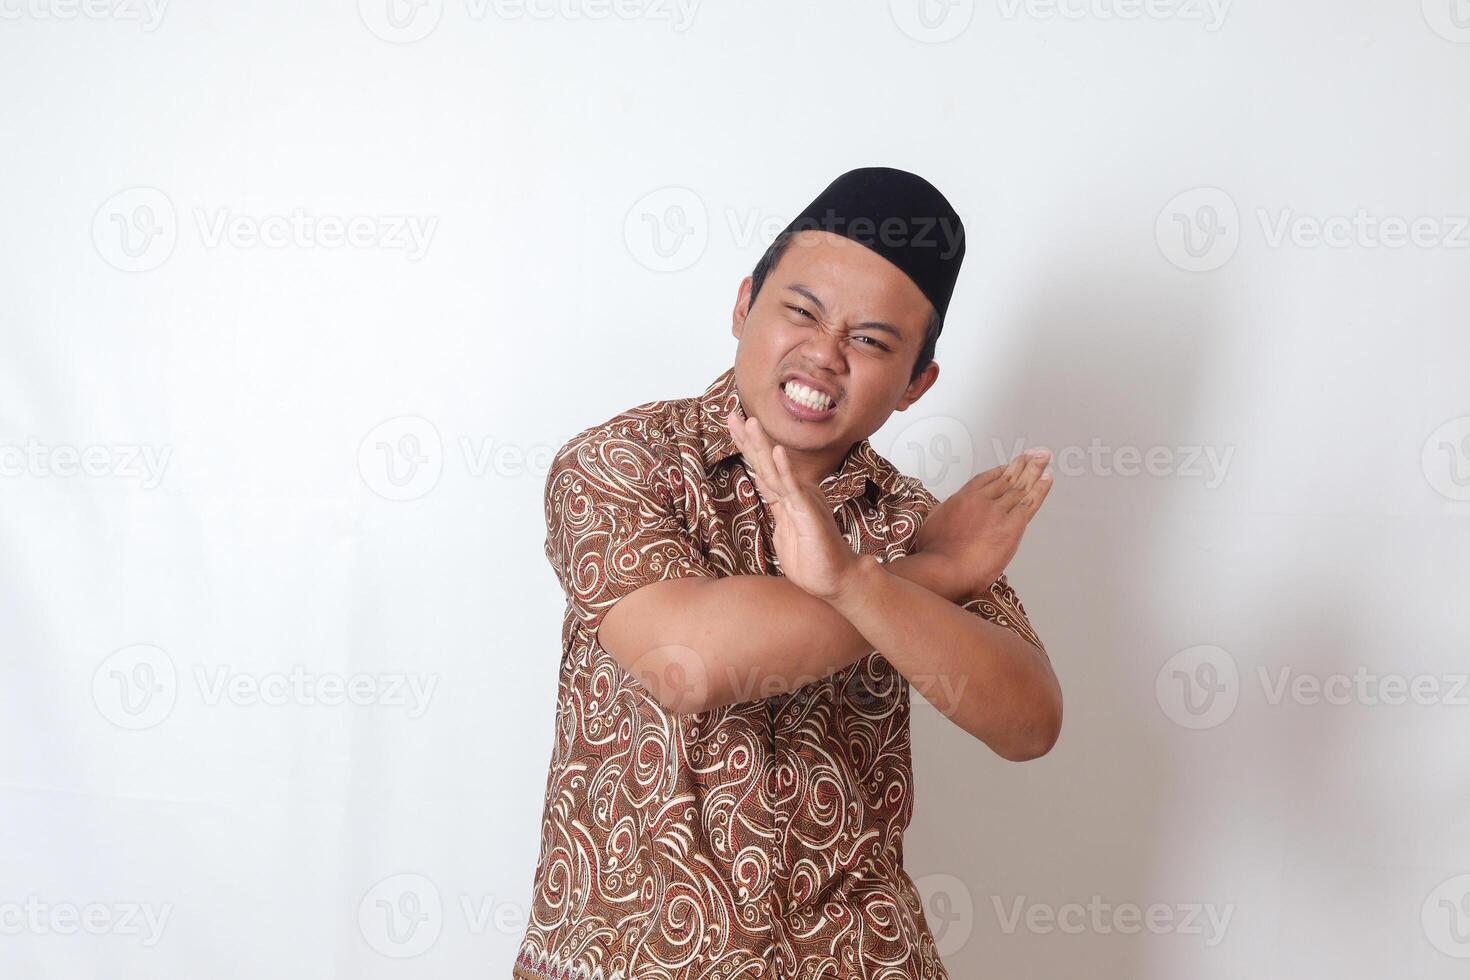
[877, 343]
[801, 310]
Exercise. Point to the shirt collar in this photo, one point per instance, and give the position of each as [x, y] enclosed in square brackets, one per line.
[862, 471]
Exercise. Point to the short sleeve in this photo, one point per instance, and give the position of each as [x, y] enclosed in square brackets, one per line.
[610, 524]
[1002, 606]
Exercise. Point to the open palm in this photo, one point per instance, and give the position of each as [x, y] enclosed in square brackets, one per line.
[813, 553]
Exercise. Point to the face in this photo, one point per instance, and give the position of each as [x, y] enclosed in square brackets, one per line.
[841, 320]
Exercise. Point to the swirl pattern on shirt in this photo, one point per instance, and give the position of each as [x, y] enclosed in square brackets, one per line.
[761, 839]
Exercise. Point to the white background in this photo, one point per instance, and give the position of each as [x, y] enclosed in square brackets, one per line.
[589, 192]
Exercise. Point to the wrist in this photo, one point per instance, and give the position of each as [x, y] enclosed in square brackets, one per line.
[935, 572]
[864, 572]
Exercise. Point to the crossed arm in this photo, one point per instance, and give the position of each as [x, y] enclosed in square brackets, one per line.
[700, 643]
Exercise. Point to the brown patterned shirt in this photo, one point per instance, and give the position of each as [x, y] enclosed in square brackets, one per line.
[763, 839]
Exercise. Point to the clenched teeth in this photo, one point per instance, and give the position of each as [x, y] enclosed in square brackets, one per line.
[803, 395]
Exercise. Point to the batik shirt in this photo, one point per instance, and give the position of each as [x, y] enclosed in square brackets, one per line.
[762, 839]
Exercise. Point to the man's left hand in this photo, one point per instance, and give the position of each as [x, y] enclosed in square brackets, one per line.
[813, 553]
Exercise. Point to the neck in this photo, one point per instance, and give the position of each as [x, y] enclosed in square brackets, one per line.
[816, 466]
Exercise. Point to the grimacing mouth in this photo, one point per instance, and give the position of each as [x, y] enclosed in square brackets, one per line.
[809, 393]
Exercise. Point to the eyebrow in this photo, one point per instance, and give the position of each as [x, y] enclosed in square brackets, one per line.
[881, 325]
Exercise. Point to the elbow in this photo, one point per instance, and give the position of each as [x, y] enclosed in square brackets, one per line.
[675, 678]
[1036, 738]
[677, 702]
[1033, 747]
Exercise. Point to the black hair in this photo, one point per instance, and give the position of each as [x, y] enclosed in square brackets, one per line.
[773, 255]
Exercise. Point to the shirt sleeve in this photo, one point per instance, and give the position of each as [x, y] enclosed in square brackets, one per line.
[1001, 605]
[611, 527]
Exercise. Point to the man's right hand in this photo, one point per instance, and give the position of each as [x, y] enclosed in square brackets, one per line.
[978, 529]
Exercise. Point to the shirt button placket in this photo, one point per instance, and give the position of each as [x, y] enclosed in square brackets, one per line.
[779, 821]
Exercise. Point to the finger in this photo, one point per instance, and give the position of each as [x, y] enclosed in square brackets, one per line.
[757, 449]
[1007, 477]
[1037, 494]
[1010, 499]
[784, 478]
[790, 482]
[1032, 470]
[733, 423]
[986, 478]
[738, 433]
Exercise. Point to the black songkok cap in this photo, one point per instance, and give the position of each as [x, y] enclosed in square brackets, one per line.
[899, 215]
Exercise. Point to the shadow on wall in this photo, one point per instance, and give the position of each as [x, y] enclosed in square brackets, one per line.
[998, 848]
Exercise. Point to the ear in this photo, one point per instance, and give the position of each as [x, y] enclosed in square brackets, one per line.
[742, 306]
[919, 385]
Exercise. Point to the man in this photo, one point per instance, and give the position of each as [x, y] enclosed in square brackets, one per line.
[751, 592]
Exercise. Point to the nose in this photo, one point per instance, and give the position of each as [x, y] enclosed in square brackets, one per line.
[823, 349]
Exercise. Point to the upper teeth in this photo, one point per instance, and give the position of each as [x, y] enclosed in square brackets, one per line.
[809, 397]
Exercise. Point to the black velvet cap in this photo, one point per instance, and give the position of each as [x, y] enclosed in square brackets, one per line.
[899, 215]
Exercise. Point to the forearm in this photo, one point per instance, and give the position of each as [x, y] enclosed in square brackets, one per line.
[746, 637]
[983, 677]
